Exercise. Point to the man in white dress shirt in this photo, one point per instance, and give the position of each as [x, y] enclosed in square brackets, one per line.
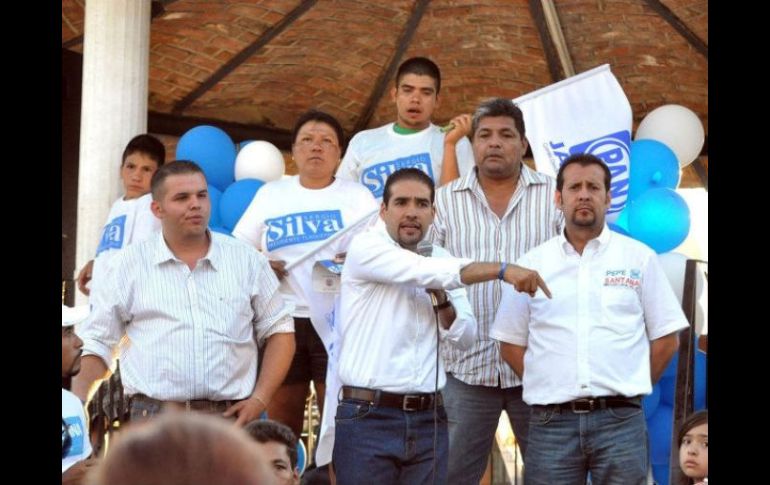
[588, 355]
[389, 327]
[194, 305]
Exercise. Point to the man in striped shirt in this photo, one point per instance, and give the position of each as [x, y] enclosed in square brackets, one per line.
[194, 305]
[496, 212]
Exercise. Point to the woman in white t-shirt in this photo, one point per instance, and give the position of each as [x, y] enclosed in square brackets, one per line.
[291, 217]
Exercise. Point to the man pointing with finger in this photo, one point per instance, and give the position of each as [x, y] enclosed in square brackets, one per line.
[388, 359]
[589, 355]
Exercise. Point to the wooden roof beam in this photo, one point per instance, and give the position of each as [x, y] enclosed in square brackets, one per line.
[241, 57]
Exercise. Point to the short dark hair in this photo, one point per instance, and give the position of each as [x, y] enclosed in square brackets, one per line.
[421, 66]
[177, 167]
[267, 430]
[148, 145]
[321, 117]
[583, 159]
[498, 107]
[408, 174]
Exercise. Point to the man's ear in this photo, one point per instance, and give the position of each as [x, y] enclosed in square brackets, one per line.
[156, 209]
[557, 199]
[393, 91]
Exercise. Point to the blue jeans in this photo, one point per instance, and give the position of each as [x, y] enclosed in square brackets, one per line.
[474, 412]
[564, 446]
[376, 444]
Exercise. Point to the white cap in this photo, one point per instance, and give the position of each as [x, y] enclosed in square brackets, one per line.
[74, 315]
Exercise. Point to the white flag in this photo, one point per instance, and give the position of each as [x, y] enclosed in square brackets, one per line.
[586, 113]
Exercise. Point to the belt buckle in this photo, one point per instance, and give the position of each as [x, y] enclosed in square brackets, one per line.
[188, 405]
[405, 404]
[591, 405]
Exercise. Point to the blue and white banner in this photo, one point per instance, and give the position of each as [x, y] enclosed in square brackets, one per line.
[374, 177]
[586, 113]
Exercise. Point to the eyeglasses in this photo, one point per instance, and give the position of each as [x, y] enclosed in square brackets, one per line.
[66, 439]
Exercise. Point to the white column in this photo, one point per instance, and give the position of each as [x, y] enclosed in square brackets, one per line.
[115, 86]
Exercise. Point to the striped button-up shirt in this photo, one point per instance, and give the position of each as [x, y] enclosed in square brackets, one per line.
[468, 228]
[192, 333]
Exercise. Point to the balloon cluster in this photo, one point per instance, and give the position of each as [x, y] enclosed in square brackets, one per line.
[234, 177]
[668, 138]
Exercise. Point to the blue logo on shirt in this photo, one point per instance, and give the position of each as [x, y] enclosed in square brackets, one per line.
[302, 227]
[374, 177]
[113, 235]
[75, 429]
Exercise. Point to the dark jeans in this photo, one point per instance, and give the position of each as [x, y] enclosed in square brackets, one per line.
[474, 413]
[564, 446]
[382, 445]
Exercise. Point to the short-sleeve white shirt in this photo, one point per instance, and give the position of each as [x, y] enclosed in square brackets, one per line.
[593, 337]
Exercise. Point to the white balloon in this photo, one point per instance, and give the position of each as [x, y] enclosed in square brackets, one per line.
[259, 160]
[674, 267]
[677, 127]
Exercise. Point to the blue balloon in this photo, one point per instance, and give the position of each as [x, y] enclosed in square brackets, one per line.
[653, 165]
[667, 386]
[622, 220]
[618, 229]
[651, 401]
[660, 219]
[215, 195]
[667, 382]
[213, 150]
[700, 381]
[236, 199]
[221, 230]
[660, 474]
[671, 369]
[659, 429]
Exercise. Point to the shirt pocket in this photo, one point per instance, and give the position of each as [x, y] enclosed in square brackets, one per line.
[621, 308]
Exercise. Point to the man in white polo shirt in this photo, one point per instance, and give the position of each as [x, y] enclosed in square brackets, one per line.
[389, 364]
[588, 355]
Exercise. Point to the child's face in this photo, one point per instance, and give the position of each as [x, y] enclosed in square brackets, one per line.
[136, 173]
[694, 452]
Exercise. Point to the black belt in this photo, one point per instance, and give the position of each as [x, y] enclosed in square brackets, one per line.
[405, 402]
[191, 405]
[588, 404]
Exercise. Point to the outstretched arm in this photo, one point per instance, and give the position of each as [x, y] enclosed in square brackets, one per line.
[523, 279]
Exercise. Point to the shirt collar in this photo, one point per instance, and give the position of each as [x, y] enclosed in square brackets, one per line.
[527, 177]
[164, 254]
[600, 242]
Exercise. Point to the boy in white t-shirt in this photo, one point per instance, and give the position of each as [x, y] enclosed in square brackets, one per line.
[412, 141]
[76, 447]
[130, 219]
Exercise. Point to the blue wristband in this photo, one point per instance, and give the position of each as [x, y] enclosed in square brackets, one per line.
[501, 274]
